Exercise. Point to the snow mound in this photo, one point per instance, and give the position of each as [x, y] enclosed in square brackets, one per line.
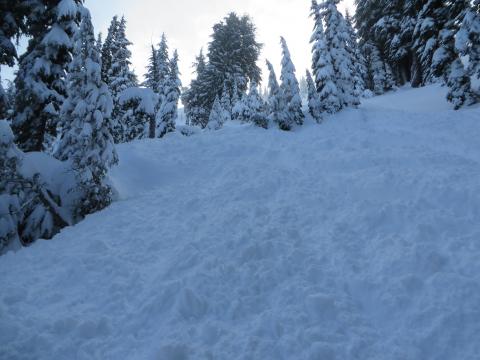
[355, 239]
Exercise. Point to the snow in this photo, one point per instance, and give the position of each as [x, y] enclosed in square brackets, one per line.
[146, 98]
[354, 239]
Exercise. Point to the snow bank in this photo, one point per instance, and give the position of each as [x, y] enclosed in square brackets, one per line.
[356, 239]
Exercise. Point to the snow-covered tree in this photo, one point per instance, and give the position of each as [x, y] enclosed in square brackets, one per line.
[40, 80]
[120, 77]
[152, 75]
[446, 62]
[322, 66]
[379, 76]
[86, 139]
[218, 116]
[275, 105]
[290, 92]
[28, 211]
[107, 49]
[240, 111]
[171, 85]
[138, 105]
[358, 61]
[467, 39]
[232, 58]
[163, 65]
[257, 110]
[194, 111]
[337, 38]
[4, 102]
[314, 103]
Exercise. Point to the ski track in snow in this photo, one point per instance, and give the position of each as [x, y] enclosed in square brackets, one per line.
[356, 239]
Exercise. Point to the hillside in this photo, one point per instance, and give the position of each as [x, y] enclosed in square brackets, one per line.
[355, 239]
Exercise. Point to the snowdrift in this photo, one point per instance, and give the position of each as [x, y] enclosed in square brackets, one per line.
[355, 239]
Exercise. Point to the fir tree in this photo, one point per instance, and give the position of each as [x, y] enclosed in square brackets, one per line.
[256, 108]
[446, 62]
[99, 43]
[314, 103]
[218, 115]
[226, 101]
[467, 39]
[167, 113]
[87, 128]
[232, 58]
[152, 75]
[4, 102]
[359, 67]
[27, 210]
[138, 105]
[40, 80]
[194, 109]
[120, 77]
[163, 66]
[290, 92]
[240, 111]
[322, 67]
[379, 76]
[336, 35]
[275, 105]
[107, 49]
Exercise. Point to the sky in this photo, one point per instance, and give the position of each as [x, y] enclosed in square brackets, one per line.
[188, 26]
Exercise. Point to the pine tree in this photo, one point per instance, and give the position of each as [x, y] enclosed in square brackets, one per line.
[275, 105]
[359, 67]
[163, 65]
[290, 92]
[240, 111]
[120, 77]
[194, 109]
[167, 113]
[336, 35]
[152, 75]
[232, 58]
[446, 62]
[107, 49]
[4, 102]
[40, 80]
[314, 103]
[27, 210]
[379, 76]
[87, 128]
[139, 109]
[218, 115]
[99, 42]
[322, 67]
[256, 108]
[467, 39]
[225, 100]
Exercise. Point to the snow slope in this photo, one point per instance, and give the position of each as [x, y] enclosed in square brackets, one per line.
[356, 239]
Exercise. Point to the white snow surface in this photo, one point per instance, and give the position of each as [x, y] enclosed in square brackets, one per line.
[355, 239]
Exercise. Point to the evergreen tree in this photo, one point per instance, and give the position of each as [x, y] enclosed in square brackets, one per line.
[467, 39]
[322, 66]
[40, 80]
[275, 105]
[152, 75]
[193, 107]
[218, 116]
[314, 103]
[4, 102]
[87, 128]
[446, 62]
[163, 66]
[290, 92]
[232, 58]
[138, 105]
[107, 49]
[240, 111]
[226, 101]
[167, 113]
[359, 66]
[379, 76]
[336, 35]
[256, 108]
[27, 209]
[120, 77]
[99, 43]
